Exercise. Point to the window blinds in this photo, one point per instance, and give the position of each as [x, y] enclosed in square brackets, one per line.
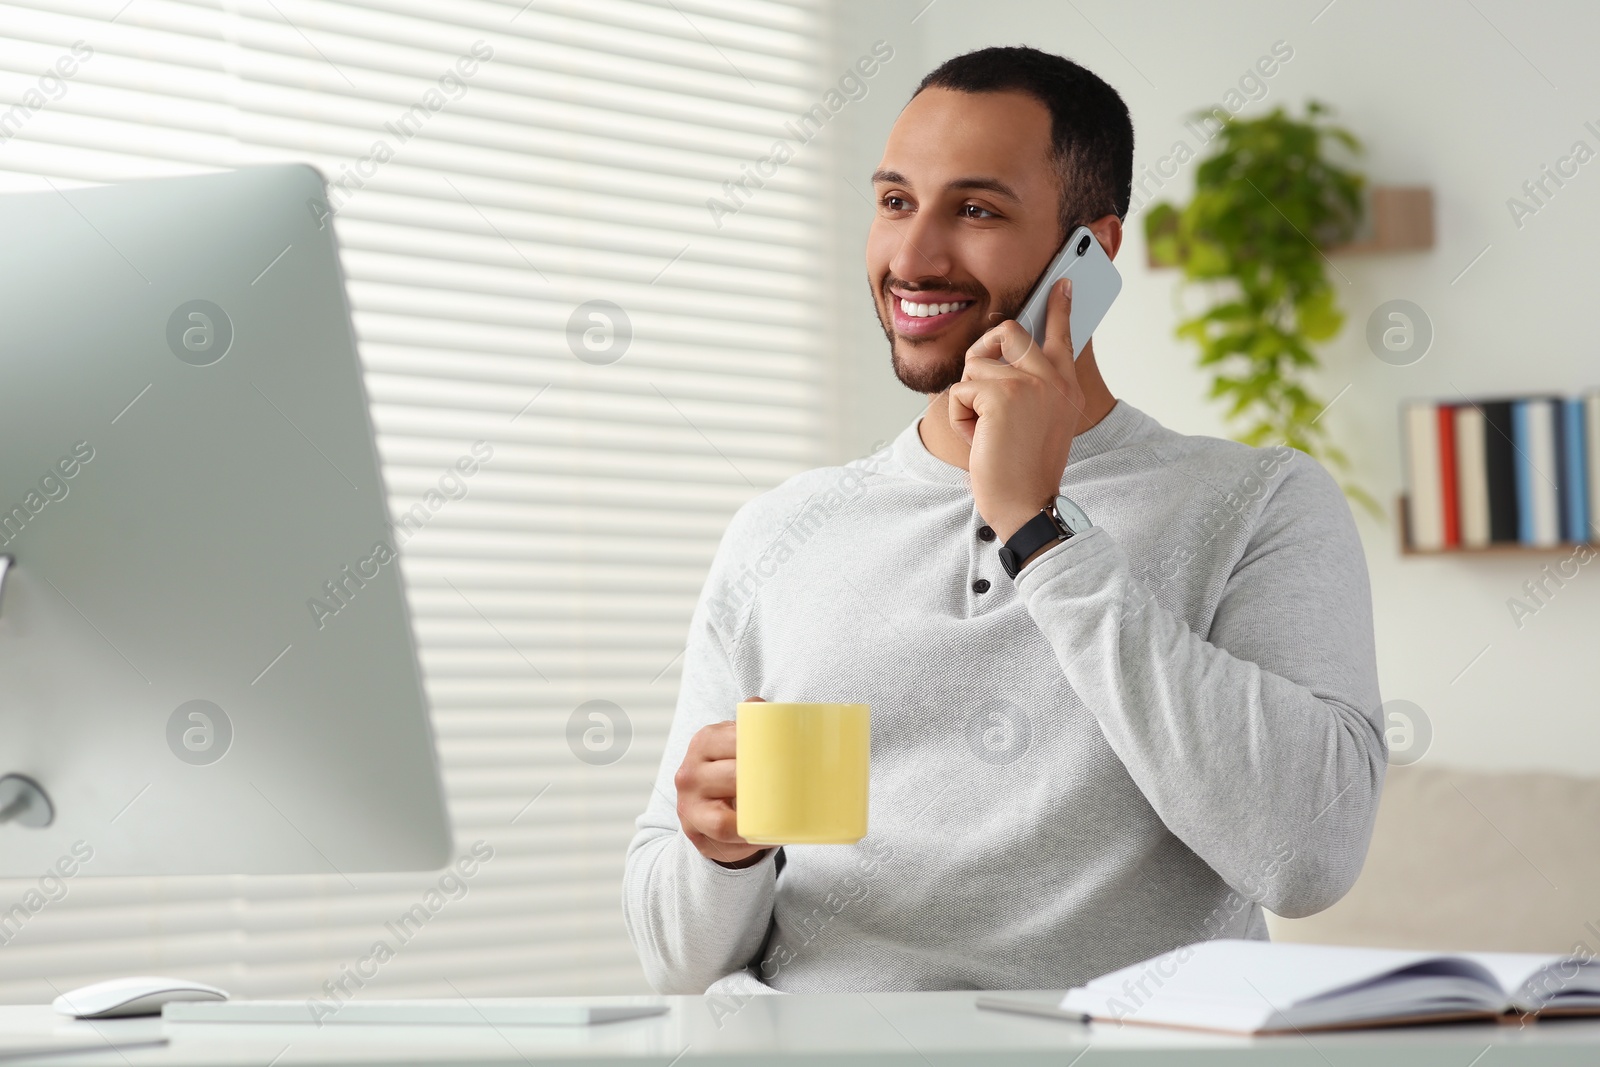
[523, 196]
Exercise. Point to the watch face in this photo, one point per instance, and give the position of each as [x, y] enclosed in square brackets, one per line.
[1072, 515]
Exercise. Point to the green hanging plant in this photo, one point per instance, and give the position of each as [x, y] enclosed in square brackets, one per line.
[1267, 202]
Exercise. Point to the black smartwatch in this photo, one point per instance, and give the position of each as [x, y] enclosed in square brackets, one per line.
[1060, 520]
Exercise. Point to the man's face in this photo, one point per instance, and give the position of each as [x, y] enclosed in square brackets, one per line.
[967, 219]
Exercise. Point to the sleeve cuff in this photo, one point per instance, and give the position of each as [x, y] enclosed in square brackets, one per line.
[710, 869]
[1073, 554]
[740, 983]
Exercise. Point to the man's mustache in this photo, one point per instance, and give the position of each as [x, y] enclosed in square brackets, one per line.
[892, 283]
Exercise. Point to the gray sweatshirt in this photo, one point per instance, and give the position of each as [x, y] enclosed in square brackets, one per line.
[1161, 727]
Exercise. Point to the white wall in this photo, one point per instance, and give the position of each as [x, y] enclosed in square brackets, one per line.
[1471, 104]
[872, 404]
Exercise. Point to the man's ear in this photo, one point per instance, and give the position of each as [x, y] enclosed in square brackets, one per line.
[1107, 229]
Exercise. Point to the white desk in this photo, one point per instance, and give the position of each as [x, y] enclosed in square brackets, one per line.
[909, 1029]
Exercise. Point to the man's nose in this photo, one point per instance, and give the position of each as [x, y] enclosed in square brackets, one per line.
[923, 250]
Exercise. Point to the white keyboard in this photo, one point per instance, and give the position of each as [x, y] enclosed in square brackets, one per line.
[485, 1011]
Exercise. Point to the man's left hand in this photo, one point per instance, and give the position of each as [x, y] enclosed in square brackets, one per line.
[1018, 408]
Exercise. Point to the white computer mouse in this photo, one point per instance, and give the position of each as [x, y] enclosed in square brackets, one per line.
[140, 995]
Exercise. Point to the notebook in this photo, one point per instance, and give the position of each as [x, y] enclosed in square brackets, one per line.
[1262, 987]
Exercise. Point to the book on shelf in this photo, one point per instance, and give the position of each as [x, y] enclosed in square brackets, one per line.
[1498, 458]
[1534, 432]
[1264, 987]
[1501, 471]
[1574, 470]
[1472, 475]
[1423, 475]
[1591, 438]
[1450, 516]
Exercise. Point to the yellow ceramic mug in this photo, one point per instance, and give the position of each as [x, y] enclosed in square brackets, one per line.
[801, 773]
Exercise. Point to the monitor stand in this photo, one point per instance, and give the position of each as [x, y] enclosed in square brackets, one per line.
[22, 800]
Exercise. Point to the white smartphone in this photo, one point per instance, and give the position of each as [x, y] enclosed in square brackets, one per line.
[1095, 284]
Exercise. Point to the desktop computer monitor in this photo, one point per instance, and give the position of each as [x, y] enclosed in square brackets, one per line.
[206, 661]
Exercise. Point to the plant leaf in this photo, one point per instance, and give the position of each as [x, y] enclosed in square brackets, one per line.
[1268, 199]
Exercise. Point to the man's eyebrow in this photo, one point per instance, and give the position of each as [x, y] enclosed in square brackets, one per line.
[993, 185]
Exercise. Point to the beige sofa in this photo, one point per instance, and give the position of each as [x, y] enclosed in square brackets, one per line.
[1473, 860]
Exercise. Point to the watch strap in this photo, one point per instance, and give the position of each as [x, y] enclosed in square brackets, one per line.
[1030, 537]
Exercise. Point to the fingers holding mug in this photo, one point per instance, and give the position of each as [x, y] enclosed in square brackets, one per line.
[707, 783]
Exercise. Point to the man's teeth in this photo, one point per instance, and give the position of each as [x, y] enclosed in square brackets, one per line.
[922, 311]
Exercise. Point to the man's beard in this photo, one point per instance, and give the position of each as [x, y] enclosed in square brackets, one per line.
[936, 377]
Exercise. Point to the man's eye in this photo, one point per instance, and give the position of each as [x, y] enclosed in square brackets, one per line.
[893, 203]
[967, 211]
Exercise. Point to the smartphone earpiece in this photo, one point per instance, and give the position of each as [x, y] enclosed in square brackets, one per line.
[1095, 284]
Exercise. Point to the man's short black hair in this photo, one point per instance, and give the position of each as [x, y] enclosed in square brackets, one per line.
[1091, 135]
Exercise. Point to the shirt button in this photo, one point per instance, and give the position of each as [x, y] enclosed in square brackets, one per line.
[985, 534]
[981, 585]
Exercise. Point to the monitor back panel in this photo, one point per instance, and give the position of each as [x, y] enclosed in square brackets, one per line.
[206, 657]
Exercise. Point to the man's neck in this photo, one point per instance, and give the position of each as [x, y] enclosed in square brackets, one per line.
[941, 439]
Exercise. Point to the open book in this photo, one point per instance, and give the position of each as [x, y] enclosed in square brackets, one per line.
[1260, 987]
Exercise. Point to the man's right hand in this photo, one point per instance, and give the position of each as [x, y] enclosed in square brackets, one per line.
[706, 788]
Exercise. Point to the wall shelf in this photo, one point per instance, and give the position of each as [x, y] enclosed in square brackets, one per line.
[1399, 218]
[1403, 510]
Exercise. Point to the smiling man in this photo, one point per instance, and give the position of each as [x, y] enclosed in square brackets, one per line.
[1123, 680]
